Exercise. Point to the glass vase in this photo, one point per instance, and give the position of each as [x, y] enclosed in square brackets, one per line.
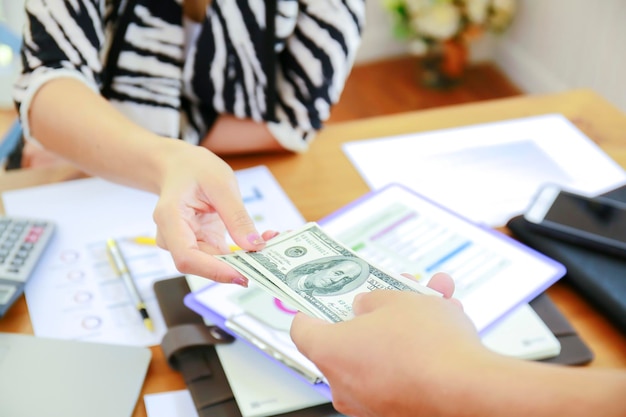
[444, 64]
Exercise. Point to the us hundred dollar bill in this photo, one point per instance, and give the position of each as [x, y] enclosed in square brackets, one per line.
[313, 272]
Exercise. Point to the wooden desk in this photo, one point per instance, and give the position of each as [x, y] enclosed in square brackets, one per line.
[323, 180]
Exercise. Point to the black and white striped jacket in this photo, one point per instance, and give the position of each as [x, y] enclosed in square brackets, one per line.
[174, 76]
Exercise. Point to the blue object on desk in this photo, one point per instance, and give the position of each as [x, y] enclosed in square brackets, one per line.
[9, 38]
[10, 45]
[10, 140]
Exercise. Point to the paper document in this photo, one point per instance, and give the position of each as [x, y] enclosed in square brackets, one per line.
[170, 404]
[74, 292]
[488, 172]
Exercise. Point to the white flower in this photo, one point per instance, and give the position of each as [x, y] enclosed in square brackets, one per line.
[415, 7]
[477, 10]
[504, 6]
[417, 47]
[502, 14]
[441, 21]
[434, 21]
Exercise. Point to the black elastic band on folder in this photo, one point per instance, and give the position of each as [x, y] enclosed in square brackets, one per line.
[189, 346]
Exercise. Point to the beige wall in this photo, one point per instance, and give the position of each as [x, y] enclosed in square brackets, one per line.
[378, 42]
[556, 45]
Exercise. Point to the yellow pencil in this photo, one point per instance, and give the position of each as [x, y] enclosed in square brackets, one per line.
[147, 240]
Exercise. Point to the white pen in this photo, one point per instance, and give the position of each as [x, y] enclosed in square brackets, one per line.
[308, 372]
[118, 263]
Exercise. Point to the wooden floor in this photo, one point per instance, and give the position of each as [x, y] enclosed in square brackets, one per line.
[392, 86]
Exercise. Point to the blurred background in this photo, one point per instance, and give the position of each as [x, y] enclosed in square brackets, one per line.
[551, 46]
[11, 21]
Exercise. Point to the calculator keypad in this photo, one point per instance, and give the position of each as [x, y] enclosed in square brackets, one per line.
[20, 242]
[6, 292]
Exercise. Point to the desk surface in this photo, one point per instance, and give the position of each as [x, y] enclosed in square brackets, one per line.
[323, 180]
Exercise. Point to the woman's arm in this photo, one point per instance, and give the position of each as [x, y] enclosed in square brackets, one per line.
[198, 192]
[71, 120]
[231, 136]
[61, 108]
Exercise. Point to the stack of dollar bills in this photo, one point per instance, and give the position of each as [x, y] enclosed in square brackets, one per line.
[314, 273]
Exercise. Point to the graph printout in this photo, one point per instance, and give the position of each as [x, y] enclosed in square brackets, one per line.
[488, 172]
[402, 238]
[405, 233]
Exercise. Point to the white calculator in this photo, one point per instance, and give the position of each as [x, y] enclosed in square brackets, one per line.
[22, 242]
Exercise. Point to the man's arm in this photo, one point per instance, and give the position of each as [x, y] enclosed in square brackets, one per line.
[409, 355]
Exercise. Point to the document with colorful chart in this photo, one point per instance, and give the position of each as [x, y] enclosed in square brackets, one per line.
[405, 232]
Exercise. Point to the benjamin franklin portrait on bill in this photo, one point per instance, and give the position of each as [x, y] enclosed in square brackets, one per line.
[333, 275]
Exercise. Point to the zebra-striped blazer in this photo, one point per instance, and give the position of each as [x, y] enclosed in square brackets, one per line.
[175, 77]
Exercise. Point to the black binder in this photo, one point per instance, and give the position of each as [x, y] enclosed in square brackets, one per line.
[599, 277]
[189, 346]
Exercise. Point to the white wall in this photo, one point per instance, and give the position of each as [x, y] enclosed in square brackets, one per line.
[557, 45]
[378, 42]
[553, 45]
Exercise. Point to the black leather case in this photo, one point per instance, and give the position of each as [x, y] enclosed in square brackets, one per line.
[599, 277]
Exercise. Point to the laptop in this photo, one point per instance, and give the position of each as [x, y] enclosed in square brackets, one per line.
[68, 378]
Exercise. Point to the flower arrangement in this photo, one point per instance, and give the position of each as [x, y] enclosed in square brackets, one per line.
[429, 23]
[439, 31]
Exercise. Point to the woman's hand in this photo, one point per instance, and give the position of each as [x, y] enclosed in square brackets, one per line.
[199, 202]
